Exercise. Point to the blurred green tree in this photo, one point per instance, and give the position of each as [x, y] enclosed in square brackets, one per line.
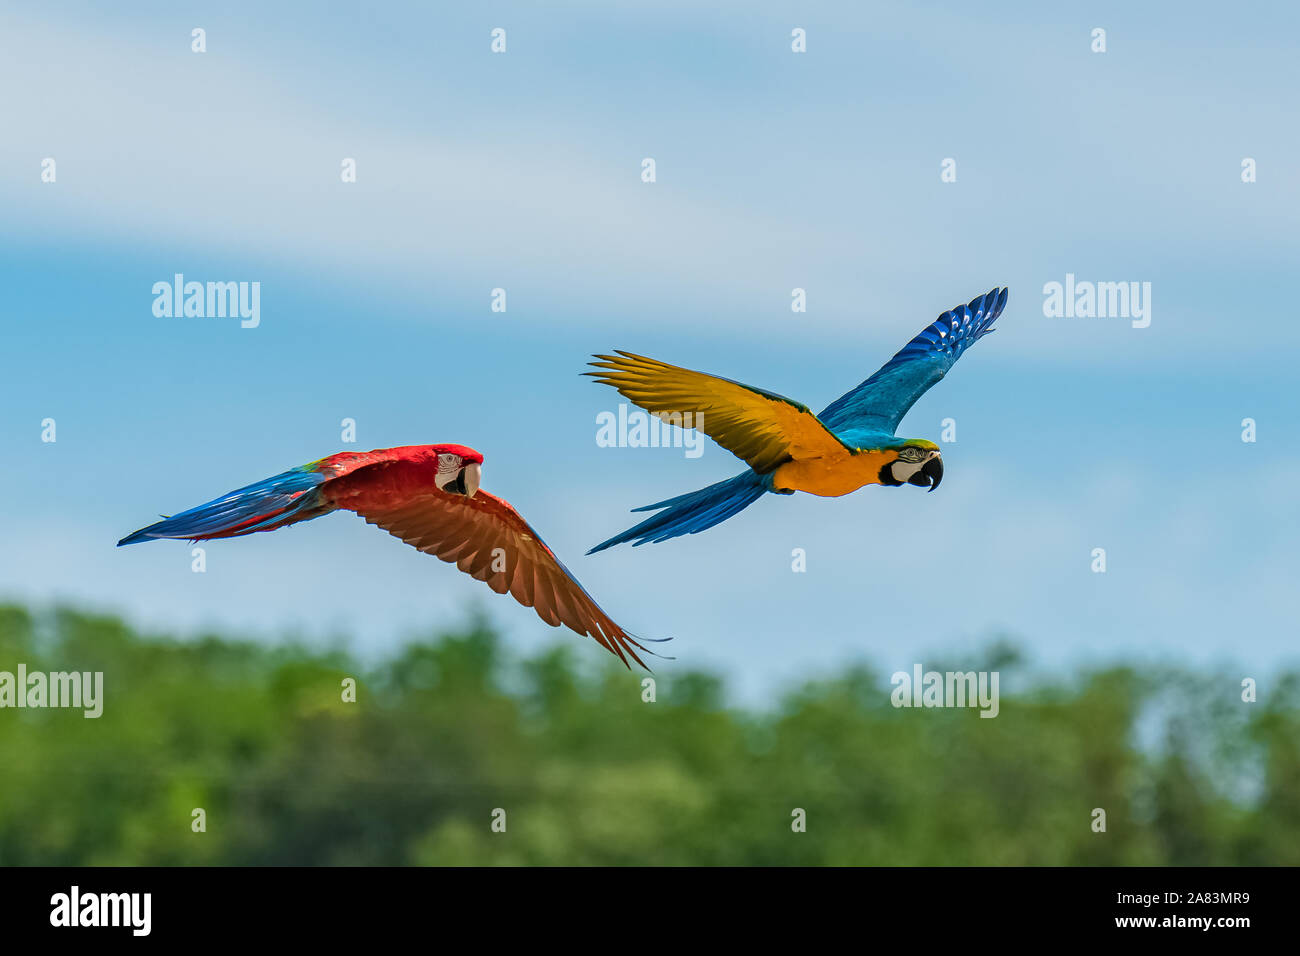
[450, 731]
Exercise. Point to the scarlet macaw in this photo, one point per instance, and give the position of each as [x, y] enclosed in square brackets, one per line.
[427, 495]
[786, 446]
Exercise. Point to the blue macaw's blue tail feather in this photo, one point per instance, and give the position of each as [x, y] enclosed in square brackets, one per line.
[693, 512]
[273, 503]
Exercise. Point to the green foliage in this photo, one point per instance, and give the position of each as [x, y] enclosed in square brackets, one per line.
[446, 732]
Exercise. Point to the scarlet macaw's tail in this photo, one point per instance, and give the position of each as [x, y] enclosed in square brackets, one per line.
[272, 503]
[693, 512]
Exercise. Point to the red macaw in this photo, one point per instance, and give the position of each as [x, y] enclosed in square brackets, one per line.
[427, 495]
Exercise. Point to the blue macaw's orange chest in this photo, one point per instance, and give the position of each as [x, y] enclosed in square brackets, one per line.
[832, 476]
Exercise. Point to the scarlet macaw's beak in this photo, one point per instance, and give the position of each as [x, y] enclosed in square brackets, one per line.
[464, 483]
[473, 472]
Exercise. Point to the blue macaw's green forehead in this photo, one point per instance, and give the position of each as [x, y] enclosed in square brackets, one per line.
[898, 444]
[870, 438]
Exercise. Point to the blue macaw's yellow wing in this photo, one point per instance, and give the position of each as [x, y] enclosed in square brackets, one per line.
[760, 427]
[881, 401]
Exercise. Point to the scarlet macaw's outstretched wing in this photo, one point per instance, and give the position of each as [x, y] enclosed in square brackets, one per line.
[485, 537]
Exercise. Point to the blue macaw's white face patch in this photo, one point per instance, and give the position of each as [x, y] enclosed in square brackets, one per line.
[914, 467]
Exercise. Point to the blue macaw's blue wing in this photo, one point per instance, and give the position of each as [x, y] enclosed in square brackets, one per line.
[880, 403]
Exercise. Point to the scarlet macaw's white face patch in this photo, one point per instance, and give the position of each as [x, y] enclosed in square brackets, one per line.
[448, 469]
[456, 477]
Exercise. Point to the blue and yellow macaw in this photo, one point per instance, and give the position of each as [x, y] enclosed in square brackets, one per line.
[786, 446]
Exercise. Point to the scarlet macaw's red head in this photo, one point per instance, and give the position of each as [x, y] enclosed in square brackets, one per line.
[460, 470]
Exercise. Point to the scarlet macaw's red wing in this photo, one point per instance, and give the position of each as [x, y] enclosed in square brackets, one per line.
[485, 537]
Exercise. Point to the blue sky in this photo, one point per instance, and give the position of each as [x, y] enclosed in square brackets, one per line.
[774, 170]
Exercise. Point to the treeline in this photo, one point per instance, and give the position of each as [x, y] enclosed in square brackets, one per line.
[452, 735]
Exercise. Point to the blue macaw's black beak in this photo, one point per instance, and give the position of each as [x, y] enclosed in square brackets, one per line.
[931, 473]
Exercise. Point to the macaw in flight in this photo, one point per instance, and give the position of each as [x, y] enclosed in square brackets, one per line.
[788, 448]
[427, 495]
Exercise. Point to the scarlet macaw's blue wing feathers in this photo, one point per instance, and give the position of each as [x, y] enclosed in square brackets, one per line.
[881, 401]
[283, 499]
